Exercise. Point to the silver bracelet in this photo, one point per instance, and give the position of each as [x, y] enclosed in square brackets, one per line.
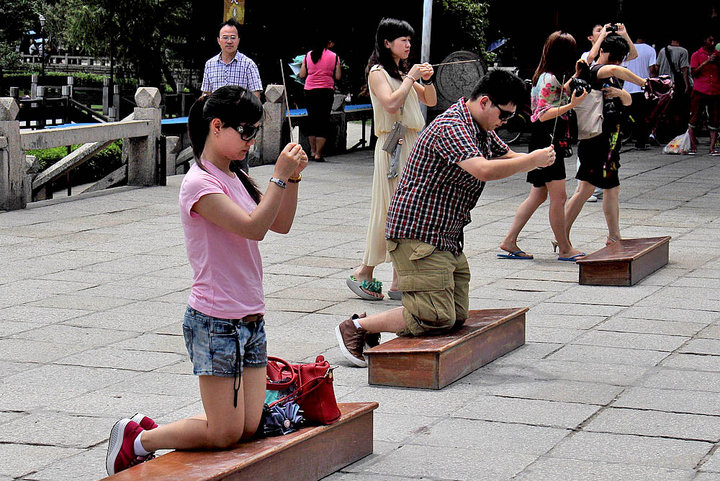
[280, 183]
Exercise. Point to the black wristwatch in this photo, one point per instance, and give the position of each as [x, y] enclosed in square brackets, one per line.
[427, 82]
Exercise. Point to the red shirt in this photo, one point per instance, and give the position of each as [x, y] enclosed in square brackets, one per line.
[708, 80]
[433, 200]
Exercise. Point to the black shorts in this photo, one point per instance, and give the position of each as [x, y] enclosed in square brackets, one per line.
[539, 139]
[599, 164]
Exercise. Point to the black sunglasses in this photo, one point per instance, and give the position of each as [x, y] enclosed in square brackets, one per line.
[247, 132]
[504, 114]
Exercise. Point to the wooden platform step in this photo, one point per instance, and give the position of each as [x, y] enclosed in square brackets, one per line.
[625, 263]
[306, 455]
[433, 362]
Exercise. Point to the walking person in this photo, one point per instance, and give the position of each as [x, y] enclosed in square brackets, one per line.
[224, 215]
[600, 154]
[396, 94]
[321, 69]
[549, 126]
[596, 38]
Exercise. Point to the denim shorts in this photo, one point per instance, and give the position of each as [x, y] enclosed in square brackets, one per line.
[222, 347]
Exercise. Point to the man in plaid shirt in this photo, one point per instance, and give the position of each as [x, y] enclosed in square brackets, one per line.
[230, 67]
[441, 183]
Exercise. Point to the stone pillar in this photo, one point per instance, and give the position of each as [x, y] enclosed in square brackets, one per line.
[142, 152]
[116, 102]
[33, 85]
[272, 140]
[70, 83]
[172, 148]
[12, 158]
[106, 96]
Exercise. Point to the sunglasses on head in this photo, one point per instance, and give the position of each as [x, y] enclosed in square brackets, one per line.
[247, 132]
[504, 114]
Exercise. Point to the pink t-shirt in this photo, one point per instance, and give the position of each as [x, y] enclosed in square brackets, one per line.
[321, 75]
[227, 268]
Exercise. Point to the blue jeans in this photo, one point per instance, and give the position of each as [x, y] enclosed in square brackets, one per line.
[222, 347]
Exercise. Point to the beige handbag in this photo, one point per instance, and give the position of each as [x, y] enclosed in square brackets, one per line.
[590, 115]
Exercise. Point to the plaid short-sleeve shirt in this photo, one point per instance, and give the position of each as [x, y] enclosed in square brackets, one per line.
[240, 71]
[433, 200]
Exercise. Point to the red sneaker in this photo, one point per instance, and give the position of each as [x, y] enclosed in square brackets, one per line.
[145, 422]
[120, 453]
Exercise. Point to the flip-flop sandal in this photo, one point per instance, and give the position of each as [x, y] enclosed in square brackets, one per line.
[572, 258]
[516, 255]
[394, 295]
[360, 288]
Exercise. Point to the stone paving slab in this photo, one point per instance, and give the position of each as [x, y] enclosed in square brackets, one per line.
[551, 469]
[656, 423]
[613, 382]
[685, 401]
[634, 450]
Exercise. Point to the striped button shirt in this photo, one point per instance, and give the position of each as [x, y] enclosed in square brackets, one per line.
[433, 200]
[240, 71]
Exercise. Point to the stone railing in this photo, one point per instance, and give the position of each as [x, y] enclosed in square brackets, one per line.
[20, 183]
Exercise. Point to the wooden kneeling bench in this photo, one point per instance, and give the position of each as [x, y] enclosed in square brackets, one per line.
[624, 263]
[433, 362]
[309, 454]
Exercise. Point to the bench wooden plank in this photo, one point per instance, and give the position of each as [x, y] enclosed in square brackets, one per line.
[306, 455]
[624, 263]
[433, 362]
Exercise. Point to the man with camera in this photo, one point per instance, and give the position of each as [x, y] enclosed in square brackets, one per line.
[599, 33]
[705, 69]
[441, 183]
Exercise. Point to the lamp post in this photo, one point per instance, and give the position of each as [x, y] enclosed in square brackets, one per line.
[42, 54]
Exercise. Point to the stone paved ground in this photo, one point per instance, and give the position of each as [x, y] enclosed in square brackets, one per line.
[614, 382]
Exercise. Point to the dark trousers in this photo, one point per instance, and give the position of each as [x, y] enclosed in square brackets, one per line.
[640, 111]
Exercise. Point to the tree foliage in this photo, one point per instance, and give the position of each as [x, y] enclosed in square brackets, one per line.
[17, 18]
[140, 35]
[468, 20]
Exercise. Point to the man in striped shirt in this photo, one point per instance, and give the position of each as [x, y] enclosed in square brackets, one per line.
[230, 67]
[441, 183]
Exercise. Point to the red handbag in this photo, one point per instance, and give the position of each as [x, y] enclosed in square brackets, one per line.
[311, 386]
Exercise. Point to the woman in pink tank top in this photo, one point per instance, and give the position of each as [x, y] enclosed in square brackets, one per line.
[320, 69]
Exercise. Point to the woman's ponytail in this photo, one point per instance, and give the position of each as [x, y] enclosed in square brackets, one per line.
[198, 127]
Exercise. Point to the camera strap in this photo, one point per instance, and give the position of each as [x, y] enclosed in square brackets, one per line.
[562, 91]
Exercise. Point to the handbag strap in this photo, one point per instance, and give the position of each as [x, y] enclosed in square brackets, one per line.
[302, 390]
[670, 62]
[279, 386]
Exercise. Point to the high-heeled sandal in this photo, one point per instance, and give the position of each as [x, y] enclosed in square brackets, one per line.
[610, 241]
[555, 245]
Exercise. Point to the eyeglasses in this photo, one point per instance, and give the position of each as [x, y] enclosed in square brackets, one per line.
[504, 114]
[228, 37]
[247, 132]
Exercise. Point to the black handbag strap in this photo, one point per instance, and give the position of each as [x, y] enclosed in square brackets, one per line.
[670, 61]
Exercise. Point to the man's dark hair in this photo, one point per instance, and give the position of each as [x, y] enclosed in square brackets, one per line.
[616, 46]
[231, 22]
[502, 87]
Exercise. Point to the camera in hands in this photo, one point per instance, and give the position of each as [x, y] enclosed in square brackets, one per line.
[579, 86]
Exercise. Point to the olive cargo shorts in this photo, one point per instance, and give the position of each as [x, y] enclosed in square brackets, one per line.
[435, 286]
